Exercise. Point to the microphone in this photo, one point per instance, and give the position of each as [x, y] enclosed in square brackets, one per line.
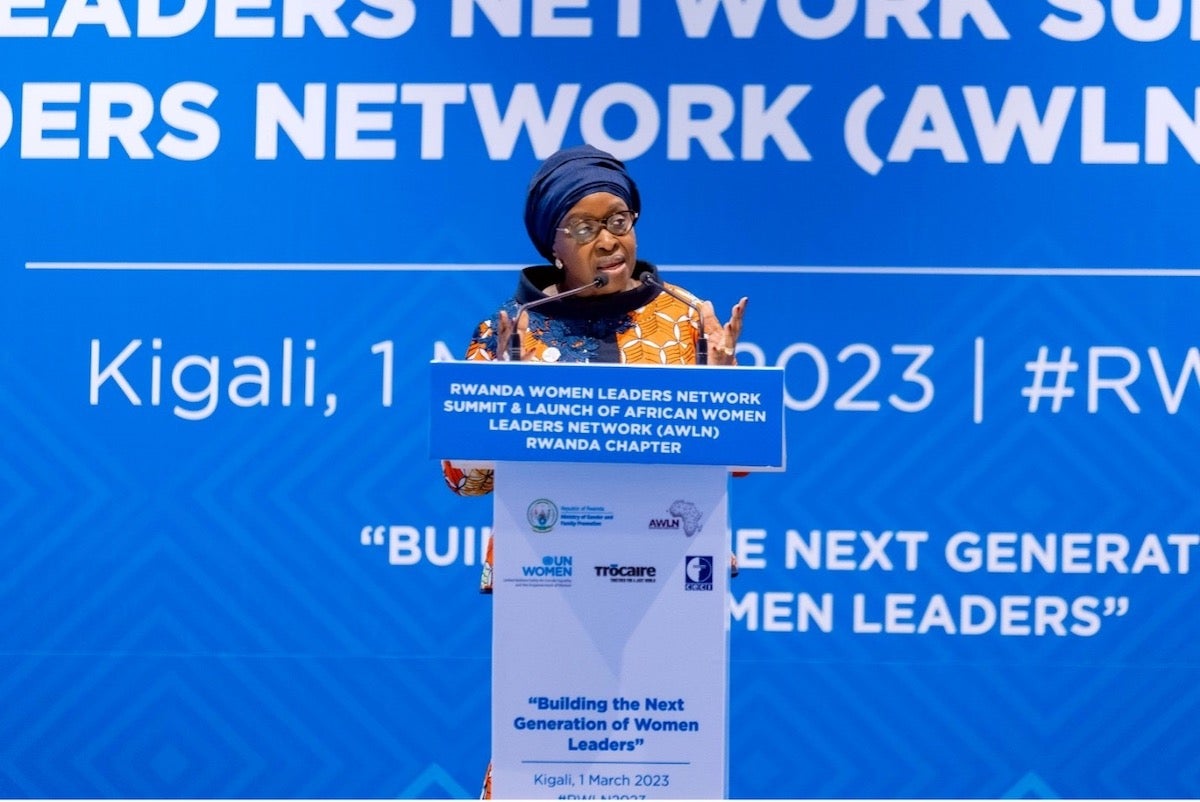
[702, 340]
[514, 338]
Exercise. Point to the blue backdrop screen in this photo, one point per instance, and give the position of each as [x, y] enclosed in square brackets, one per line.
[237, 231]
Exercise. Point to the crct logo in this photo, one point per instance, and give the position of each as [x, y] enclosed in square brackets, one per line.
[542, 515]
[698, 572]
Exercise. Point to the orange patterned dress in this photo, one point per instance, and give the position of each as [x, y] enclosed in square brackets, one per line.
[642, 325]
[639, 326]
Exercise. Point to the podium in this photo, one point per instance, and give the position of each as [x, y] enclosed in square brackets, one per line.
[612, 559]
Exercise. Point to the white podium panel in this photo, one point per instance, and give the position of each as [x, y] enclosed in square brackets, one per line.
[610, 647]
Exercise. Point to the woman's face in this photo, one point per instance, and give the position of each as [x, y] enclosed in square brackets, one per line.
[608, 254]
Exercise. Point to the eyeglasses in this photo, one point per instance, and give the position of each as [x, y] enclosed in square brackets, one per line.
[587, 229]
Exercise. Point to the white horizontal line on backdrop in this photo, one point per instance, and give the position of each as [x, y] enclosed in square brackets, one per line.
[355, 267]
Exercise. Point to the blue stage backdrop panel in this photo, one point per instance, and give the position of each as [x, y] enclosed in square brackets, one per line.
[235, 234]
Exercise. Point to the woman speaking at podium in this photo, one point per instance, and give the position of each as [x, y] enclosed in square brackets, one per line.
[593, 301]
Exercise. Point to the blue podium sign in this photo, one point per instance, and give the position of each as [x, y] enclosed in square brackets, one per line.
[535, 412]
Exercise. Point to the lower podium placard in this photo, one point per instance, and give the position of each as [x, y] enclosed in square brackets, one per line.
[610, 648]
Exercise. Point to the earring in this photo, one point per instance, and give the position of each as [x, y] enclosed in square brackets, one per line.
[558, 263]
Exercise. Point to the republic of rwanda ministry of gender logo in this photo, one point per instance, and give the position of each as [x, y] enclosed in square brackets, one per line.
[542, 515]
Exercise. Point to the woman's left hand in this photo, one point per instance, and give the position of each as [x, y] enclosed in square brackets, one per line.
[511, 332]
[722, 340]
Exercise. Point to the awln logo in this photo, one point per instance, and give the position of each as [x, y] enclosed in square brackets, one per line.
[687, 512]
[683, 515]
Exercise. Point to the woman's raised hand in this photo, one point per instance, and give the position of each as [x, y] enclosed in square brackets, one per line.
[722, 339]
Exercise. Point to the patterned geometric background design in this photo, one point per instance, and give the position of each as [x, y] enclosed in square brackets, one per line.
[201, 608]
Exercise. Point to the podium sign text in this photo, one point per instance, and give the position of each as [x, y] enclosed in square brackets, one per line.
[535, 412]
[610, 651]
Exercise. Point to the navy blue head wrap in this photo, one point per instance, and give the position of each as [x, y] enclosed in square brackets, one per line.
[566, 178]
